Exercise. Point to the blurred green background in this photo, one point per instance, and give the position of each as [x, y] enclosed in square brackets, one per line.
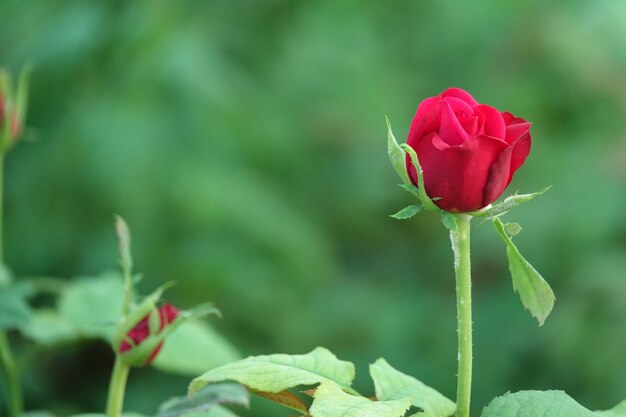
[244, 142]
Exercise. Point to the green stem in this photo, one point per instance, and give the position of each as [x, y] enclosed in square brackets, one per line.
[1, 206]
[461, 247]
[117, 387]
[11, 380]
[13, 389]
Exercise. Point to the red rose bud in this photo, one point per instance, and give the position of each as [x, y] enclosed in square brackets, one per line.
[468, 152]
[141, 331]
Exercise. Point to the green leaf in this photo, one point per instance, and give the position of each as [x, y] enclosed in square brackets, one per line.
[512, 229]
[449, 220]
[93, 305]
[38, 413]
[193, 348]
[14, 310]
[6, 277]
[396, 155]
[286, 399]
[391, 384]
[536, 403]
[205, 400]
[278, 372]
[331, 401]
[47, 327]
[534, 291]
[408, 212]
[426, 200]
[131, 414]
[217, 411]
[507, 205]
[618, 411]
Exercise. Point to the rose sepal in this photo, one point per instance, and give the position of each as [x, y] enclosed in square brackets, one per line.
[15, 103]
[147, 306]
[408, 212]
[494, 211]
[140, 354]
[396, 154]
[425, 198]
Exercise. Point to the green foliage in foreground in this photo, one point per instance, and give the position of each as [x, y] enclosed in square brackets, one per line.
[544, 403]
[275, 376]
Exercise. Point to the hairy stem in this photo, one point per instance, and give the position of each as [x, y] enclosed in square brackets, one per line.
[461, 247]
[117, 387]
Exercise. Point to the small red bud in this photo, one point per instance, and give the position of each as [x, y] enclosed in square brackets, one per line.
[167, 314]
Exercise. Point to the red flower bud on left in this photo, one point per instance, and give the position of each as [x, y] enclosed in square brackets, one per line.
[141, 331]
[13, 105]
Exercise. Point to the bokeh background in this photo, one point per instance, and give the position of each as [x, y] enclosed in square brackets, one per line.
[245, 143]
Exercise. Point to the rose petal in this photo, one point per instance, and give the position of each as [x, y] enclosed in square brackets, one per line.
[450, 129]
[458, 106]
[514, 131]
[494, 122]
[511, 119]
[457, 174]
[426, 119]
[504, 167]
[459, 93]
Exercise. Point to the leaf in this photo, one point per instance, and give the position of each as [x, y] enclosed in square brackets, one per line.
[14, 310]
[47, 327]
[331, 401]
[512, 229]
[536, 403]
[205, 400]
[284, 398]
[426, 200]
[534, 291]
[507, 205]
[6, 277]
[130, 414]
[217, 411]
[618, 411]
[396, 155]
[278, 372]
[193, 348]
[408, 212]
[449, 220]
[392, 384]
[38, 413]
[93, 305]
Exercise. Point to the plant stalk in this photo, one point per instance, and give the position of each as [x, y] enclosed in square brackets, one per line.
[15, 403]
[462, 268]
[117, 387]
[13, 390]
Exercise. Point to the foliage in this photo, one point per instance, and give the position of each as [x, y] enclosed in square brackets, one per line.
[242, 142]
[275, 376]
